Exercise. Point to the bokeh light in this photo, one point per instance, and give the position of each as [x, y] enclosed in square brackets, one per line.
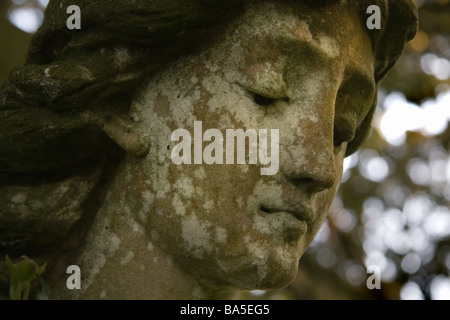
[27, 15]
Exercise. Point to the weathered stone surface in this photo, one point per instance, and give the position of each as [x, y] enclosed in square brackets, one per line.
[159, 230]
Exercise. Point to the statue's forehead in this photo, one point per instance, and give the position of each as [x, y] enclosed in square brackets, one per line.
[269, 28]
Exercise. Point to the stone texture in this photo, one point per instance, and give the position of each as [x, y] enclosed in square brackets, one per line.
[141, 226]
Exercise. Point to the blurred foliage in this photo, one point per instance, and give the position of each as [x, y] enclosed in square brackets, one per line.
[22, 274]
[392, 208]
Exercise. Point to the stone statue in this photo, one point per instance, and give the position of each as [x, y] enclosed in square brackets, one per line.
[86, 139]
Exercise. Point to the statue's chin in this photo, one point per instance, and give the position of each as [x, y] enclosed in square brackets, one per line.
[273, 279]
[264, 274]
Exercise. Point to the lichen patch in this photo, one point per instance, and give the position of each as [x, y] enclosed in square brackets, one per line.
[221, 235]
[196, 236]
[124, 261]
[178, 205]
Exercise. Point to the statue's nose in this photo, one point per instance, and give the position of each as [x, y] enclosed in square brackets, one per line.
[312, 175]
[309, 161]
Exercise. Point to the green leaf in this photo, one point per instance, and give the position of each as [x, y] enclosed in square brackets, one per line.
[9, 264]
[21, 276]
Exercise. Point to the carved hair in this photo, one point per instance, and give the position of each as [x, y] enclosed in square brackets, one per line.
[58, 111]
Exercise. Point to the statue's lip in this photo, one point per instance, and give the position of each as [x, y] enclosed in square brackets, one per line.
[300, 212]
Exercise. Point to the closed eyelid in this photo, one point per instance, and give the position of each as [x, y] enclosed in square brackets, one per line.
[265, 85]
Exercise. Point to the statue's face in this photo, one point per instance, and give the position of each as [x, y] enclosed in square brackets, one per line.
[276, 67]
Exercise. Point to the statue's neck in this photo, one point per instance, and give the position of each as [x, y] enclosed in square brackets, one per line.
[118, 260]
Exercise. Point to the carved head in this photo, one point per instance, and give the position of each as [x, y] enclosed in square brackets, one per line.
[308, 69]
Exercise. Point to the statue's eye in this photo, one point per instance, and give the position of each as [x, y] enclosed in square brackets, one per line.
[262, 100]
[265, 87]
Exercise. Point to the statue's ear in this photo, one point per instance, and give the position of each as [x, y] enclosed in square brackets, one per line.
[126, 135]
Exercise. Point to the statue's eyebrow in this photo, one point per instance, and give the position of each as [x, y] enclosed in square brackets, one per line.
[288, 42]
